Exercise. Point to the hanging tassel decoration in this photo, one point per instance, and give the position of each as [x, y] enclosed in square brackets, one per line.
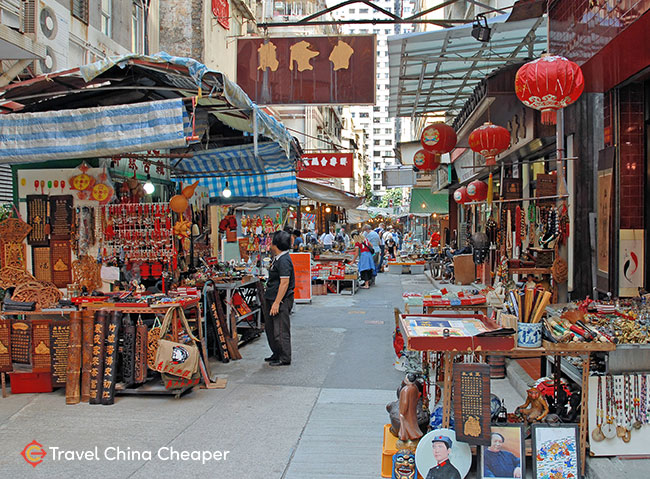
[490, 192]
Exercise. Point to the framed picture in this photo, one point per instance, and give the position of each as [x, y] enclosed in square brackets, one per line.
[505, 457]
[556, 451]
[440, 455]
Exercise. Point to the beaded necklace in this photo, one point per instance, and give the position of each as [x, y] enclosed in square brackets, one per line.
[609, 431]
[644, 399]
[597, 434]
[637, 403]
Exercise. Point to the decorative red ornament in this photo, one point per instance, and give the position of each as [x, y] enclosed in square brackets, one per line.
[548, 84]
[438, 138]
[426, 160]
[477, 190]
[489, 140]
[460, 195]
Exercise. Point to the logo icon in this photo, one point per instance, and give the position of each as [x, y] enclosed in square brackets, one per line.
[33, 453]
[179, 355]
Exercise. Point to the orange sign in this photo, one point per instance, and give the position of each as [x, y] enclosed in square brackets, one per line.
[302, 271]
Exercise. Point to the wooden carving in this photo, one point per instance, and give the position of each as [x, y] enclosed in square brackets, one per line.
[86, 272]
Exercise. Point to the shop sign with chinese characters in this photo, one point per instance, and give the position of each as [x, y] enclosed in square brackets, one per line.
[308, 70]
[326, 165]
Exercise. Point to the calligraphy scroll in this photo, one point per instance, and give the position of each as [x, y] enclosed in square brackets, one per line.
[97, 361]
[110, 357]
[72, 385]
[87, 326]
[472, 403]
[60, 337]
[5, 346]
[128, 352]
[42, 351]
[20, 341]
[37, 218]
[141, 332]
[60, 217]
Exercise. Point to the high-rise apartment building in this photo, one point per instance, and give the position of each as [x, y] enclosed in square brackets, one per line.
[383, 130]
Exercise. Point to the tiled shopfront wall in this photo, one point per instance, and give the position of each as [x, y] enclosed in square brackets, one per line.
[580, 28]
[632, 156]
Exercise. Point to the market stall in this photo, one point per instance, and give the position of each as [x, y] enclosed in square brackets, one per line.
[109, 233]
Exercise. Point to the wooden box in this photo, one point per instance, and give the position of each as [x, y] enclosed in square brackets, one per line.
[543, 257]
[464, 269]
[546, 185]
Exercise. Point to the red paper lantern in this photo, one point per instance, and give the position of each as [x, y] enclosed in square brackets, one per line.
[548, 84]
[438, 138]
[489, 140]
[460, 195]
[477, 190]
[426, 160]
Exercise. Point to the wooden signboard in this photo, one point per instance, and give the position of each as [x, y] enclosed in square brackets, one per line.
[42, 263]
[472, 403]
[61, 263]
[20, 341]
[41, 350]
[60, 217]
[5, 346]
[59, 350]
[302, 270]
[37, 218]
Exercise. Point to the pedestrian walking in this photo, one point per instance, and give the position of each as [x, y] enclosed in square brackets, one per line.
[279, 300]
[363, 252]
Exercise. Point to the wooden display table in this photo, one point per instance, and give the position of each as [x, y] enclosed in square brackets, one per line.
[484, 346]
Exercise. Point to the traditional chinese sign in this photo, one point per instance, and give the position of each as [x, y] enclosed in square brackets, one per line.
[60, 217]
[308, 70]
[472, 403]
[41, 351]
[327, 165]
[5, 346]
[20, 341]
[59, 350]
[221, 10]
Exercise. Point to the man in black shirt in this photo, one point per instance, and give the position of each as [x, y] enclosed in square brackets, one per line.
[279, 300]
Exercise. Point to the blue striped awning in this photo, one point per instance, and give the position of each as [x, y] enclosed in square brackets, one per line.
[270, 175]
[91, 132]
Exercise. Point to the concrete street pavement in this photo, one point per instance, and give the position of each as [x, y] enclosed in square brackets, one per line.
[322, 417]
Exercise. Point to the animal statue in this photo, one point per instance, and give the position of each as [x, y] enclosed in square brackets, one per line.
[535, 408]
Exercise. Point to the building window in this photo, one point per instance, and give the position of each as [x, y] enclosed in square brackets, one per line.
[106, 12]
[377, 142]
[389, 142]
[353, 10]
[377, 165]
[363, 10]
[363, 115]
[376, 108]
[137, 29]
[376, 131]
[376, 153]
[80, 10]
[376, 187]
[388, 131]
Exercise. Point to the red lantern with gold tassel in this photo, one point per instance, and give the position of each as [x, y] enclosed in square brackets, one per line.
[460, 195]
[489, 140]
[548, 84]
[477, 190]
[438, 138]
[426, 160]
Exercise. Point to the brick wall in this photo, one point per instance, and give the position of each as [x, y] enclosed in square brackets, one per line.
[631, 100]
[580, 28]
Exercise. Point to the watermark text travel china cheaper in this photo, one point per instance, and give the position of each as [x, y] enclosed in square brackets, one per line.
[115, 453]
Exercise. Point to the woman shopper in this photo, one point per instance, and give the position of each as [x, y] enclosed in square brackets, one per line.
[363, 251]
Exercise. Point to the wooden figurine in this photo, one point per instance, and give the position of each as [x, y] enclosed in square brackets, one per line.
[407, 415]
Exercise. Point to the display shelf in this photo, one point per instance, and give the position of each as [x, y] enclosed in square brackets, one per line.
[570, 370]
